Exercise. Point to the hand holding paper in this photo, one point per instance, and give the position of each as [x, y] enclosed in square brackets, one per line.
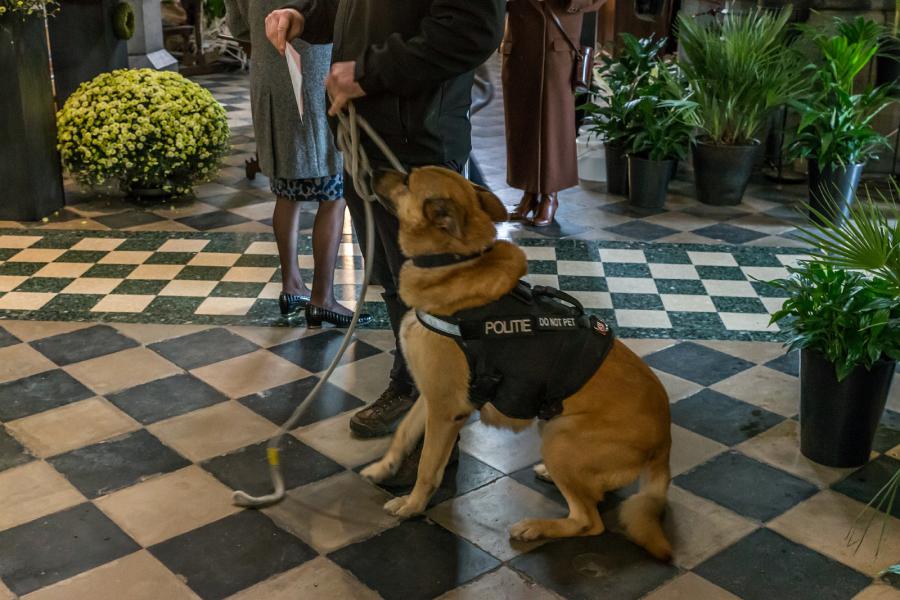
[293, 62]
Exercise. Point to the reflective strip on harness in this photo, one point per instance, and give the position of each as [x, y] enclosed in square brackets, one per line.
[438, 325]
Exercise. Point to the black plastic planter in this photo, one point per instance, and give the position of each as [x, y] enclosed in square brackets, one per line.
[616, 169]
[648, 181]
[722, 172]
[838, 419]
[833, 185]
[30, 170]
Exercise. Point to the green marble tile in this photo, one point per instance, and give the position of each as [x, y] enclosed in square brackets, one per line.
[170, 258]
[608, 315]
[582, 283]
[671, 256]
[695, 325]
[265, 311]
[110, 271]
[62, 240]
[626, 269]
[680, 286]
[141, 287]
[755, 258]
[8, 253]
[81, 256]
[637, 301]
[232, 289]
[543, 267]
[43, 284]
[257, 260]
[730, 273]
[738, 305]
[575, 250]
[20, 268]
[767, 291]
[68, 307]
[202, 273]
[228, 242]
[173, 309]
[143, 242]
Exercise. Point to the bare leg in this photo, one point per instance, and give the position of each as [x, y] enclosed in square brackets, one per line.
[285, 223]
[327, 231]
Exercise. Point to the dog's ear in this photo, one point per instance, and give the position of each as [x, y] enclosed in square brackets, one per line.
[387, 182]
[445, 214]
[491, 204]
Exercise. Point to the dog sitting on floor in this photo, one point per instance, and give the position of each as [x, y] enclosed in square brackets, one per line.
[607, 413]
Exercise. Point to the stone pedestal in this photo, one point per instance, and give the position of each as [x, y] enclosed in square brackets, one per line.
[145, 48]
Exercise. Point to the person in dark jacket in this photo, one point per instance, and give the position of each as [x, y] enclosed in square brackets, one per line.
[408, 66]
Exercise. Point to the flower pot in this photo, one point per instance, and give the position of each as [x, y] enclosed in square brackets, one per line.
[721, 172]
[838, 419]
[84, 43]
[835, 184]
[591, 160]
[29, 163]
[616, 170]
[648, 181]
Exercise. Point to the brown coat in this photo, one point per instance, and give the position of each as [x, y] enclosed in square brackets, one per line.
[537, 94]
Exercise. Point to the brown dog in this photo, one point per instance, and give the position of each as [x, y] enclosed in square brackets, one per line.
[613, 430]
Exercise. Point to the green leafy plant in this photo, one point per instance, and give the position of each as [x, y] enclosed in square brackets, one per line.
[142, 129]
[835, 121]
[27, 8]
[849, 317]
[621, 76]
[740, 67]
[660, 117]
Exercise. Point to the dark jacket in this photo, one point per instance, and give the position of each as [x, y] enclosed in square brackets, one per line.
[415, 60]
[527, 351]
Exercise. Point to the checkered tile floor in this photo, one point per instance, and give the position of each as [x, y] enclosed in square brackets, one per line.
[662, 290]
[120, 444]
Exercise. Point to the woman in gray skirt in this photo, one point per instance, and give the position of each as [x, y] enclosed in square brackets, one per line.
[299, 158]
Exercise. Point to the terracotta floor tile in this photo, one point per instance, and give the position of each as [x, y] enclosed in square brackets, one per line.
[213, 431]
[166, 506]
[102, 244]
[63, 270]
[37, 255]
[236, 307]
[28, 331]
[21, 360]
[880, 590]
[163, 272]
[92, 285]
[10, 282]
[123, 303]
[125, 257]
[120, 370]
[25, 300]
[249, 373]
[138, 576]
[822, 523]
[31, 491]
[319, 579]
[72, 426]
[188, 287]
[249, 274]
[18, 241]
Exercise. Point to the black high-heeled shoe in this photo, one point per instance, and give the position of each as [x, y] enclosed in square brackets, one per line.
[316, 315]
[291, 304]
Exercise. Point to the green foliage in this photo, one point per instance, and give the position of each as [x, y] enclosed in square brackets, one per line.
[621, 77]
[214, 9]
[849, 317]
[661, 117]
[142, 129]
[835, 122]
[740, 67]
[27, 8]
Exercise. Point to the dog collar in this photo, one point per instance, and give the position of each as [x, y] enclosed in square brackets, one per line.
[431, 261]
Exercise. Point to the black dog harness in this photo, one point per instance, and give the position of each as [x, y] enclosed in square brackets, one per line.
[527, 351]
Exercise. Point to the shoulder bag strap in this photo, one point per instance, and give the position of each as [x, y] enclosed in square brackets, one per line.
[542, 7]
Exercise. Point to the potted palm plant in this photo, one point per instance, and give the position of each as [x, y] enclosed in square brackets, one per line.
[740, 67]
[835, 134]
[620, 77]
[843, 312]
[661, 117]
[29, 164]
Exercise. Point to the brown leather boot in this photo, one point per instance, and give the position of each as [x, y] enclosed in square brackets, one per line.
[546, 210]
[527, 205]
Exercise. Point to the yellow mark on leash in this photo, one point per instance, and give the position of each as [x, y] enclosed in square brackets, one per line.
[272, 454]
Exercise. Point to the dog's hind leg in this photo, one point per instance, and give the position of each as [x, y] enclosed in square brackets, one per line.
[440, 435]
[405, 439]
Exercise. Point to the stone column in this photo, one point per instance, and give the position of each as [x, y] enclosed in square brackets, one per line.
[145, 49]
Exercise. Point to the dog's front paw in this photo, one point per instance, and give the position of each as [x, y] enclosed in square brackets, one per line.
[402, 507]
[526, 530]
[378, 471]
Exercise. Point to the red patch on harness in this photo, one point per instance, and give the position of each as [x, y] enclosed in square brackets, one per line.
[601, 327]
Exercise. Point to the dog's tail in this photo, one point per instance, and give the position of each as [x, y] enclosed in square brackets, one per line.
[641, 513]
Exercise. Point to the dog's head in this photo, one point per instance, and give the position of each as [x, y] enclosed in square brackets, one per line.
[440, 211]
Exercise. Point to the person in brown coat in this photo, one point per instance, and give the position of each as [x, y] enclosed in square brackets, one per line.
[539, 102]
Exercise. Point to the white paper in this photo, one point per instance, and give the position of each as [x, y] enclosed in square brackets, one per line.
[293, 62]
